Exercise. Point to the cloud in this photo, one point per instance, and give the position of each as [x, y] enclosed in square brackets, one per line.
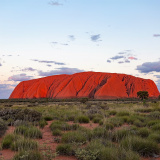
[20, 77]
[95, 38]
[49, 65]
[5, 90]
[71, 37]
[63, 44]
[28, 69]
[149, 67]
[63, 70]
[116, 57]
[120, 62]
[127, 61]
[0, 64]
[109, 61]
[156, 35]
[132, 58]
[55, 3]
[46, 61]
[157, 76]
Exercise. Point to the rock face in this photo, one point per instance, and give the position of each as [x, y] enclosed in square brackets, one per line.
[95, 85]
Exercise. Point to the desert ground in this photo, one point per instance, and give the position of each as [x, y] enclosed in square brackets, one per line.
[79, 130]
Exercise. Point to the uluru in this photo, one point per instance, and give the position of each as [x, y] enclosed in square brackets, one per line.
[96, 85]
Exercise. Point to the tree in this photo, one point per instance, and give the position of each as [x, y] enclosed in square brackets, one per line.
[143, 95]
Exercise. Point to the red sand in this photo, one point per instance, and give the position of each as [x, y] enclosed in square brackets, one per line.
[7, 154]
[95, 85]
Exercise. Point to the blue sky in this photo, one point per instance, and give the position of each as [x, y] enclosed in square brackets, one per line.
[47, 37]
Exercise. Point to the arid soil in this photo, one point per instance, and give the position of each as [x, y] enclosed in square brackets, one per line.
[47, 143]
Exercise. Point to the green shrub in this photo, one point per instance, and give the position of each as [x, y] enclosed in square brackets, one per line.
[48, 118]
[60, 125]
[7, 141]
[112, 153]
[28, 155]
[24, 144]
[96, 120]
[42, 123]
[123, 113]
[83, 154]
[98, 132]
[144, 110]
[31, 132]
[3, 127]
[116, 121]
[156, 127]
[65, 149]
[118, 135]
[138, 123]
[144, 132]
[113, 112]
[109, 126]
[56, 132]
[75, 126]
[153, 122]
[154, 137]
[144, 147]
[155, 115]
[79, 136]
[83, 119]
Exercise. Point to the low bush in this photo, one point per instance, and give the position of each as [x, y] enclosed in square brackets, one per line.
[96, 120]
[79, 136]
[31, 132]
[112, 112]
[48, 118]
[65, 149]
[24, 144]
[82, 119]
[3, 127]
[116, 121]
[144, 132]
[154, 115]
[99, 132]
[138, 123]
[60, 125]
[7, 141]
[144, 147]
[118, 135]
[112, 153]
[123, 113]
[156, 127]
[42, 123]
[153, 122]
[109, 126]
[155, 137]
[56, 132]
[28, 155]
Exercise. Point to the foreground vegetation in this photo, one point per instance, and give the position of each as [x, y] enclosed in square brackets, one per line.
[127, 130]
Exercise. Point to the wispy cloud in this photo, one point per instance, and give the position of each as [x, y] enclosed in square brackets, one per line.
[95, 38]
[109, 61]
[55, 3]
[156, 35]
[132, 58]
[20, 77]
[71, 37]
[116, 57]
[120, 62]
[124, 57]
[0, 64]
[46, 61]
[57, 43]
[28, 69]
[57, 71]
[149, 67]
